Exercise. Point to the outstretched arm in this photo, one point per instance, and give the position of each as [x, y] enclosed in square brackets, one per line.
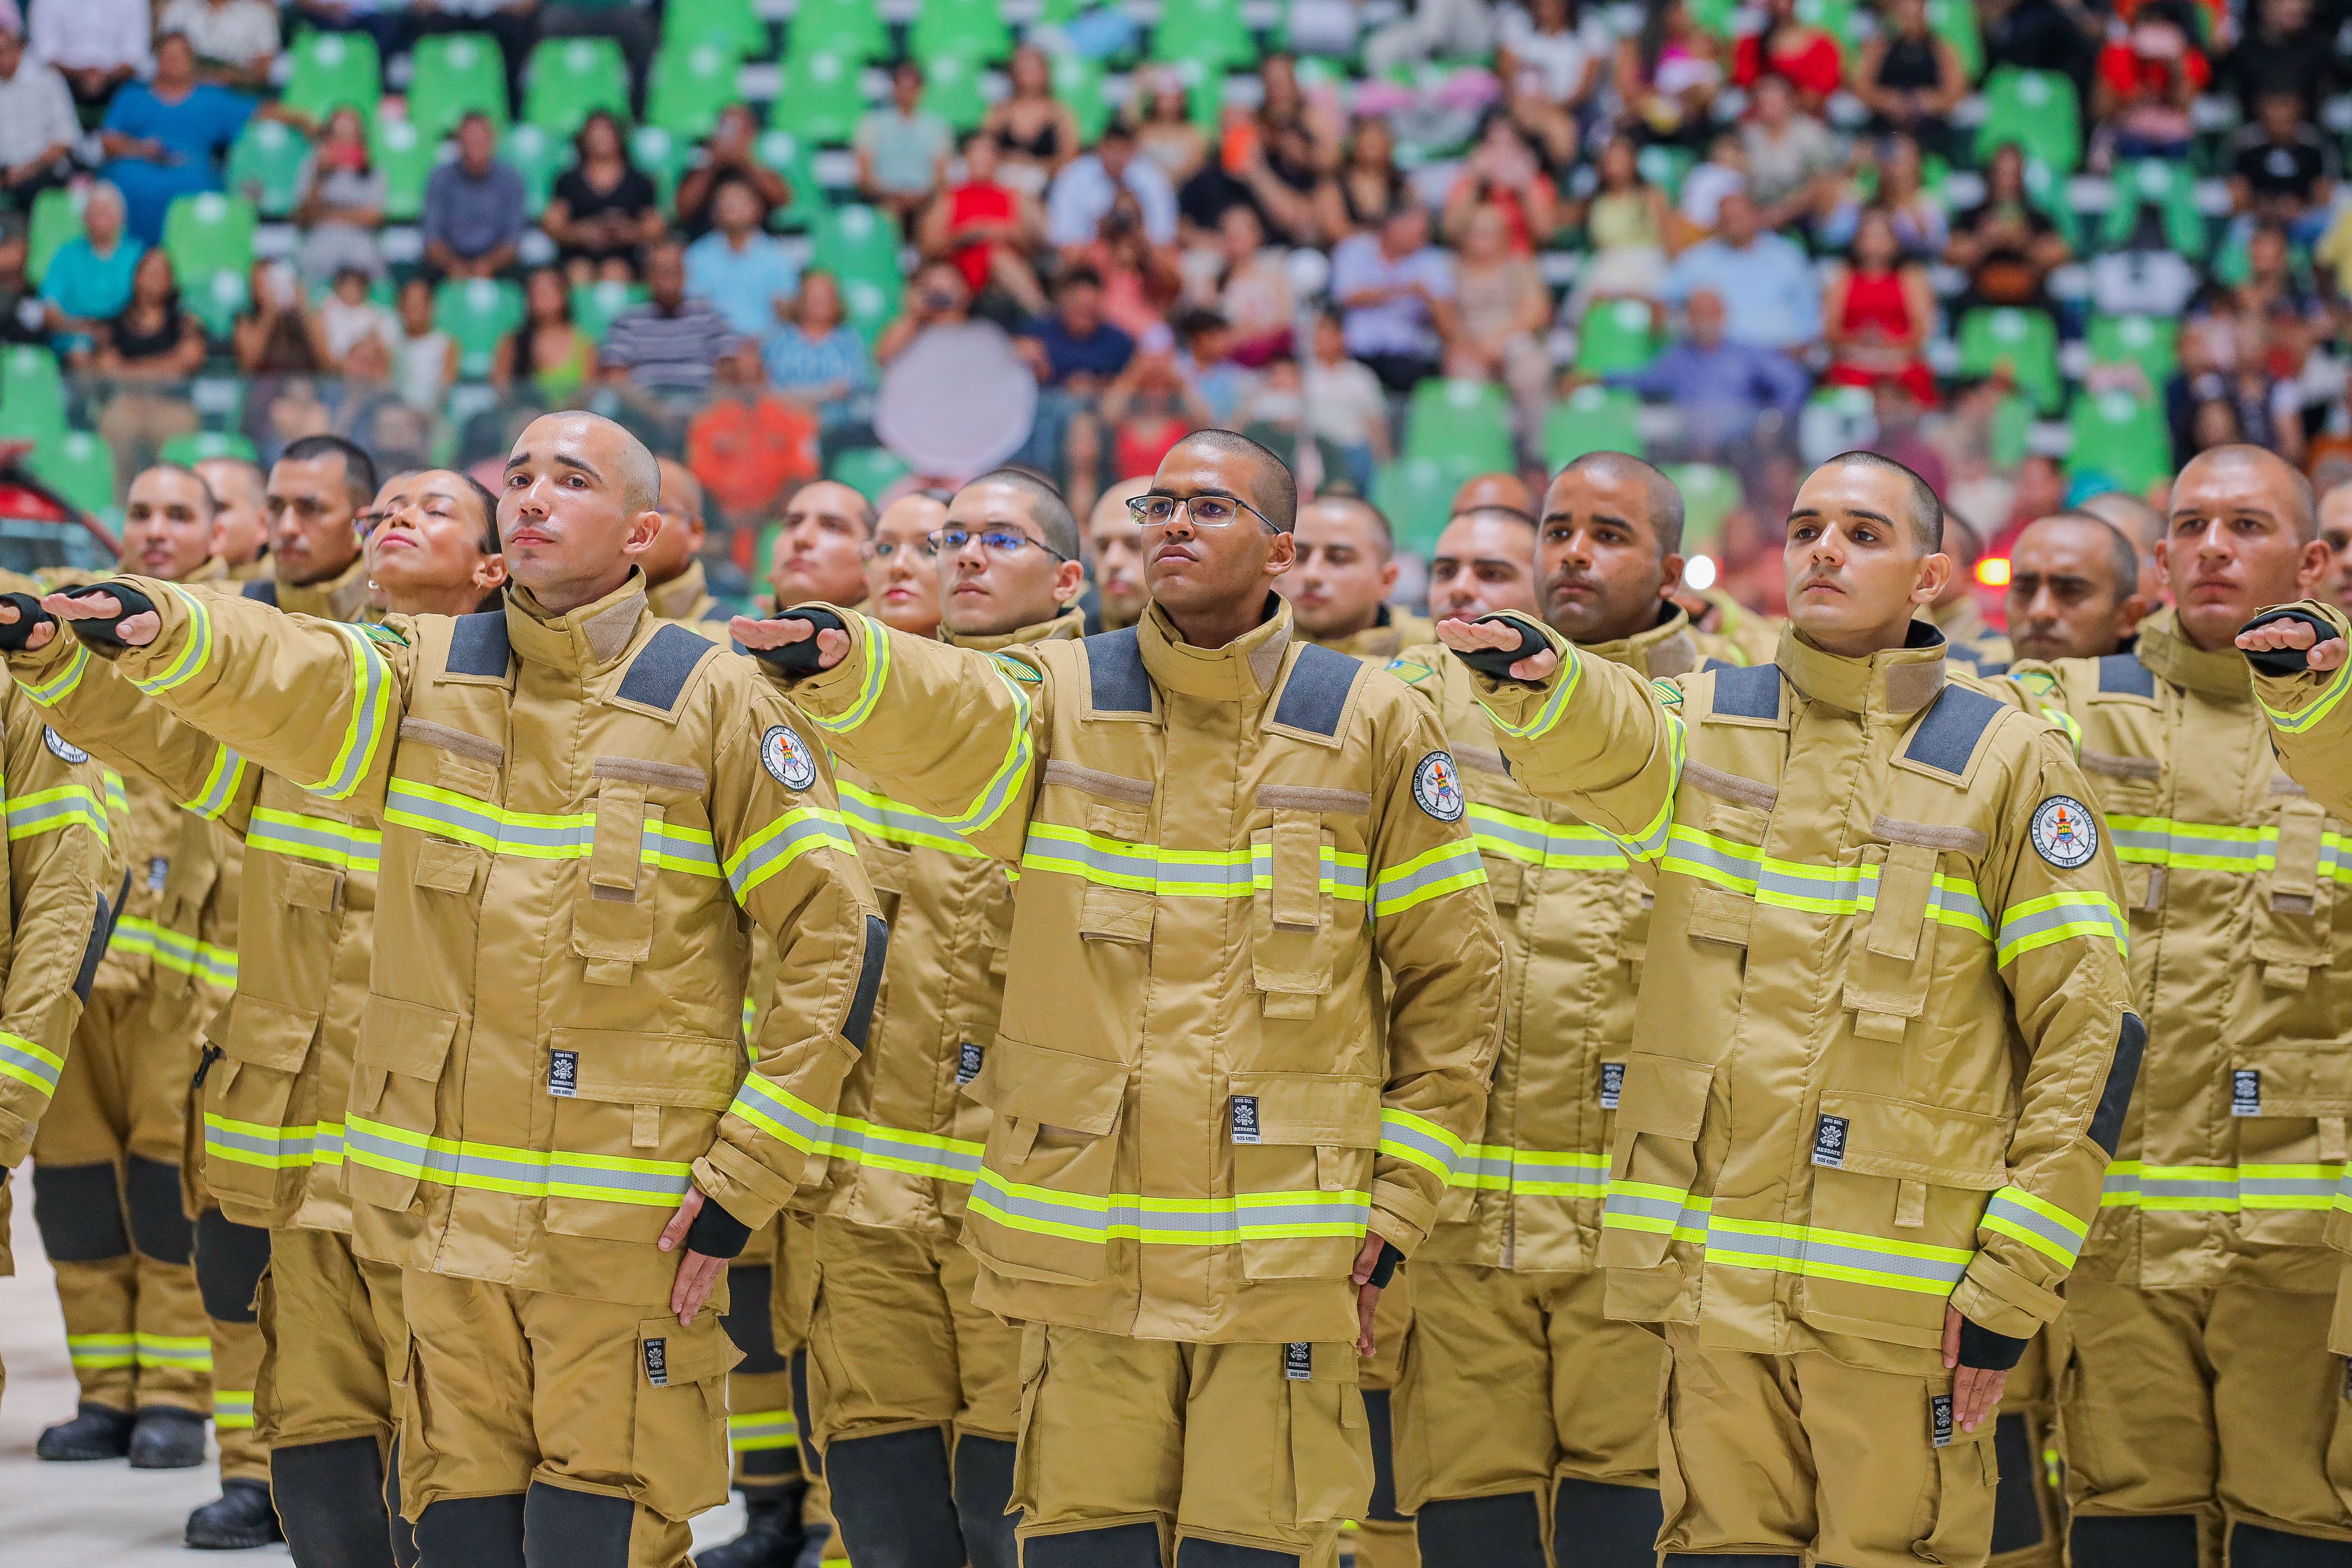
[2311, 722]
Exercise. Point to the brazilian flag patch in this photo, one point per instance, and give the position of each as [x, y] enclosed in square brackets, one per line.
[385, 635]
[1018, 668]
[1412, 672]
[1671, 695]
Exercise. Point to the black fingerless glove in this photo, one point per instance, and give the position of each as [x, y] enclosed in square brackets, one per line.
[1985, 1351]
[1498, 661]
[107, 633]
[715, 1233]
[1391, 1260]
[2286, 660]
[29, 615]
[800, 657]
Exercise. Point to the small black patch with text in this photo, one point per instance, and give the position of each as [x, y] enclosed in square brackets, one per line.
[1612, 1084]
[564, 1074]
[968, 1059]
[1829, 1143]
[1298, 1360]
[1939, 1420]
[2246, 1092]
[1244, 1118]
[657, 1362]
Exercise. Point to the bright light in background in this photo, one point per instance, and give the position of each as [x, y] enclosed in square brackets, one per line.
[1698, 574]
[1992, 571]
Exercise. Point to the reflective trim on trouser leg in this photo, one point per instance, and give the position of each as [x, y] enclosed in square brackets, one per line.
[2259, 1546]
[1504, 1531]
[159, 1226]
[78, 1209]
[2017, 1505]
[1609, 1526]
[2133, 1541]
[813, 1457]
[747, 1322]
[331, 1501]
[229, 1260]
[1376, 1415]
[474, 1531]
[404, 1534]
[567, 1529]
[1133, 1545]
[893, 1500]
[983, 1486]
[1193, 1552]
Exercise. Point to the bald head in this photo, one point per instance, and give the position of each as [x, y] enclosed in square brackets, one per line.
[1506, 490]
[1664, 496]
[1924, 512]
[2074, 588]
[2141, 523]
[2261, 467]
[2243, 535]
[1046, 508]
[576, 512]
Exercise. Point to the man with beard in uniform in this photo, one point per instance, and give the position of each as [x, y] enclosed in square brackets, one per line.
[319, 485]
[822, 549]
[676, 588]
[916, 1391]
[1339, 589]
[241, 490]
[2074, 589]
[1116, 542]
[903, 578]
[1525, 1416]
[107, 1162]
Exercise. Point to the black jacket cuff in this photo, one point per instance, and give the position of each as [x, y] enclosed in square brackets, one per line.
[1985, 1351]
[2286, 660]
[715, 1233]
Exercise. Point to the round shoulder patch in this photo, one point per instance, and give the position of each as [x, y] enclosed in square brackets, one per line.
[786, 757]
[1437, 787]
[61, 748]
[2064, 832]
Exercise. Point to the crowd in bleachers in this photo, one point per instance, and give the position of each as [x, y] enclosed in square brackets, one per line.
[2023, 245]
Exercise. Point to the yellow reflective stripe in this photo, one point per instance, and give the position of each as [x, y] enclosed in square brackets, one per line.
[2038, 1223]
[2296, 722]
[49, 693]
[1564, 682]
[1817, 889]
[232, 1409]
[341, 845]
[194, 655]
[118, 797]
[272, 1148]
[1011, 774]
[523, 1173]
[363, 731]
[221, 785]
[758, 1431]
[879, 817]
[2220, 1189]
[1445, 869]
[767, 852]
[193, 1351]
[31, 1064]
[137, 937]
[1418, 1140]
[2055, 918]
[94, 1352]
[1178, 1222]
[876, 640]
[51, 810]
[1549, 846]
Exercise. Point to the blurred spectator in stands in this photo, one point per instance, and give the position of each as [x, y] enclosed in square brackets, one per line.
[936, 297]
[1163, 117]
[1503, 172]
[1367, 183]
[1723, 390]
[1667, 75]
[1207, 361]
[1790, 153]
[235, 40]
[385, 21]
[1506, 311]
[96, 44]
[1149, 408]
[2220, 390]
[2150, 75]
[603, 210]
[1074, 348]
[2058, 36]
[473, 208]
[1805, 56]
[548, 352]
[423, 357]
[2283, 171]
[2285, 50]
[2040, 489]
[815, 357]
[165, 137]
[1919, 220]
[23, 319]
[2273, 285]
[89, 279]
[276, 334]
[1770, 293]
[902, 148]
[1345, 404]
[733, 148]
[1876, 312]
[347, 316]
[1396, 293]
[37, 127]
[987, 229]
[1084, 192]
[1910, 80]
[1436, 29]
[1035, 132]
[1552, 55]
[1723, 170]
[1245, 281]
[150, 338]
[514, 23]
[1902, 437]
[627, 22]
[341, 205]
[672, 343]
[2005, 244]
[749, 445]
[1625, 227]
[740, 268]
[1141, 281]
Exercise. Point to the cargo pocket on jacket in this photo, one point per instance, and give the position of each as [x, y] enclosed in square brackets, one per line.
[2292, 1109]
[447, 867]
[1291, 913]
[1329, 1437]
[402, 1049]
[678, 1435]
[1661, 1110]
[641, 1108]
[1968, 1480]
[1892, 958]
[1302, 1148]
[1121, 878]
[1041, 1208]
[251, 1152]
[613, 920]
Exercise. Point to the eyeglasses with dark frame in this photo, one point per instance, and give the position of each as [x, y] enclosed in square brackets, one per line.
[998, 541]
[1156, 510]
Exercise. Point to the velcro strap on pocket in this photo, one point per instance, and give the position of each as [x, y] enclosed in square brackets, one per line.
[621, 818]
[1297, 892]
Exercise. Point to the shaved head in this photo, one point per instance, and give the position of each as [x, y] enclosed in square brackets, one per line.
[1926, 513]
[576, 510]
[1665, 496]
[1274, 489]
[1505, 490]
[2302, 503]
[1047, 509]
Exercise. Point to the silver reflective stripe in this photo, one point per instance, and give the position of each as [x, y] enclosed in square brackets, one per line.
[793, 834]
[1802, 1249]
[319, 838]
[2007, 1209]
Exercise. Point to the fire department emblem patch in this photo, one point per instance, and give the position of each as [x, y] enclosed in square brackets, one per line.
[2063, 832]
[61, 748]
[786, 758]
[1438, 787]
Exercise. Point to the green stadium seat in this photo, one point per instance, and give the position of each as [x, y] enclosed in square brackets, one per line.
[1617, 335]
[951, 90]
[2038, 110]
[733, 24]
[1457, 417]
[215, 298]
[596, 305]
[690, 84]
[788, 155]
[856, 242]
[849, 27]
[1593, 419]
[2119, 437]
[870, 303]
[2046, 188]
[2151, 343]
[1078, 83]
[79, 467]
[822, 100]
[1212, 32]
[265, 166]
[2012, 432]
[1710, 494]
[1720, 17]
[203, 446]
[457, 74]
[405, 158]
[57, 218]
[1955, 22]
[209, 233]
[2170, 188]
[973, 29]
[538, 155]
[327, 71]
[869, 471]
[663, 157]
[477, 312]
[569, 79]
[1839, 19]
[1416, 494]
[1665, 167]
[2024, 341]
[32, 393]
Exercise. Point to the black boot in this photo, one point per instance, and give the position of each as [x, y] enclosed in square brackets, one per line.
[96, 1432]
[167, 1437]
[818, 1537]
[772, 1535]
[242, 1518]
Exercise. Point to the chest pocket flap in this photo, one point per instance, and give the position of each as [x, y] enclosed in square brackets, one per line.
[1081, 1094]
[694, 1072]
[1921, 1142]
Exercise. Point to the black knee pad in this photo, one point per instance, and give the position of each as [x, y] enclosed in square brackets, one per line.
[1115, 1546]
[2259, 1546]
[747, 1322]
[771, 1466]
[983, 1486]
[1731, 1560]
[893, 1500]
[566, 1528]
[229, 1260]
[1191, 1553]
[78, 1209]
[1376, 1414]
[404, 1534]
[2133, 1541]
[159, 1226]
[2017, 1505]
[812, 1456]
[1504, 1531]
[474, 1532]
[329, 1496]
[1596, 1525]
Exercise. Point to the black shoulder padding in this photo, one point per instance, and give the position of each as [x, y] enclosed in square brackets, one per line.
[79, 1211]
[1748, 692]
[477, 645]
[1947, 738]
[265, 590]
[853, 1028]
[2107, 1120]
[1317, 693]
[1115, 667]
[657, 676]
[229, 1260]
[2124, 673]
[1193, 1552]
[1716, 666]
